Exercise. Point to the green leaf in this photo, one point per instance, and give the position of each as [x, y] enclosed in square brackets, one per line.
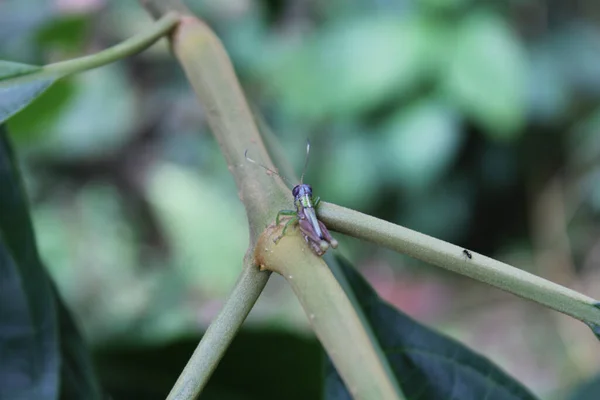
[42, 354]
[84, 116]
[354, 65]
[179, 196]
[67, 32]
[428, 365]
[9, 69]
[14, 96]
[42, 114]
[487, 76]
[443, 5]
[354, 168]
[77, 377]
[418, 144]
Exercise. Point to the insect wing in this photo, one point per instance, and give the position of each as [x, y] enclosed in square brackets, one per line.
[311, 216]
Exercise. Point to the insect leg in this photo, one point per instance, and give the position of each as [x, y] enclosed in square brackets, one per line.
[327, 236]
[315, 247]
[309, 232]
[291, 221]
[316, 202]
[285, 213]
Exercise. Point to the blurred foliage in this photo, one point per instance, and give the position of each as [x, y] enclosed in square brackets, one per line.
[476, 122]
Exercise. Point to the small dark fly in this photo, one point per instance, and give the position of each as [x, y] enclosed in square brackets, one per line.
[468, 254]
[313, 231]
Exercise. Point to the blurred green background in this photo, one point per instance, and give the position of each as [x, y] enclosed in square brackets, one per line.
[477, 122]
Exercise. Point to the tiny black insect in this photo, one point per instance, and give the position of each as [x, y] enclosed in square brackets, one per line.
[468, 254]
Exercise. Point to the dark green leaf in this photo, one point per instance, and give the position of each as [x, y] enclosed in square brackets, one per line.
[427, 365]
[267, 365]
[588, 391]
[41, 352]
[16, 96]
[594, 327]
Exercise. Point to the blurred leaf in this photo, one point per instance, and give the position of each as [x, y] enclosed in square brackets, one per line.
[584, 142]
[42, 113]
[444, 211]
[444, 5]
[186, 204]
[42, 354]
[497, 165]
[428, 365]
[67, 32]
[354, 65]
[588, 391]
[16, 96]
[419, 144]
[578, 52]
[98, 116]
[548, 91]
[583, 145]
[19, 19]
[244, 36]
[589, 189]
[349, 176]
[487, 75]
[93, 253]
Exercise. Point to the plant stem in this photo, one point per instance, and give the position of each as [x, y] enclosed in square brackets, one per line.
[219, 335]
[126, 48]
[130, 46]
[339, 275]
[452, 258]
[334, 319]
[332, 316]
[211, 74]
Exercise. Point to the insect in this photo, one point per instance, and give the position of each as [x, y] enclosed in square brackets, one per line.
[468, 254]
[313, 231]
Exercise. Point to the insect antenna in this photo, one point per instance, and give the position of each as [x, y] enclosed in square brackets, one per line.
[265, 167]
[305, 160]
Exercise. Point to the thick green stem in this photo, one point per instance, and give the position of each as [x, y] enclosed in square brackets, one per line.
[211, 74]
[129, 47]
[219, 335]
[453, 258]
[332, 316]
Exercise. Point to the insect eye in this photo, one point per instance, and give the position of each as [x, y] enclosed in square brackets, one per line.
[295, 190]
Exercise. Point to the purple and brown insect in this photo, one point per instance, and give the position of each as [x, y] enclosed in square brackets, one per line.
[313, 231]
